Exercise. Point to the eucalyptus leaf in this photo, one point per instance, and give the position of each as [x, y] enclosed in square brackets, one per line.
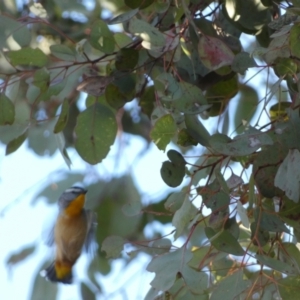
[214, 53]
[183, 217]
[96, 130]
[163, 131]
[288, 175]
[7, 110]
[63, 117]
[113, 246]
[241, 145]
[225, 242]
[14, 144]
[277, 265]
[124, 17]
[147, 33]
[28, 57]
[242, 61]
[86, 292]
[197, 130]
[167, 266]
[101, 37]
[63, 52]
[269, 221]
[231, 286]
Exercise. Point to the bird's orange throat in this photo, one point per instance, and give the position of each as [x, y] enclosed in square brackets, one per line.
[76, 206]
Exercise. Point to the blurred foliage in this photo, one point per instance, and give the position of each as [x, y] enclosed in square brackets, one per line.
[181, 66]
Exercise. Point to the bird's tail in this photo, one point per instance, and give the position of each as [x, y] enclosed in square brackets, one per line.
[59, 272]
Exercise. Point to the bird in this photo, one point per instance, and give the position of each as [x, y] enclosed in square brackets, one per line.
[73, 231]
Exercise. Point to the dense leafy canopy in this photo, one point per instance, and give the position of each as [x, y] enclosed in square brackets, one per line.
[183, 67]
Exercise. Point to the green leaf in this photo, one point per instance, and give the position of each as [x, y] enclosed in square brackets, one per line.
[183, 217]
[167, 87]
[96, 130]
[53, 90]
[111, 218]
[243, 214]
[12, 28]
[205, 255]
[7, 110]
[294, 40]
[20, 256]
[265, 167]
[288, 175]
[139, 3]
[160, 246]
[86, 292]
[279, 110]
[95, 85]
[126, 59]
[246, 106]
[242, 61]
[132, 208]
[185, 139]
[63, 117]
[241, 145]
[270, 221]
[289, 287]
[14, 144]
[115, 97]
[151, 294]
[113, 246]
[197, 130]
[41, 79]
[122, 40]
[167, 266]
[249, 15]
[42, 289]
[290, 255]
[163, 131]
[96, 265]
[225, 242]
[28, 57]
[12, 89]
[41, 138]
[101, 37]
[171, 174]
[124, 17]
[126, 82]
[192, 100]
[277, 48]
[176, 157]
[175, 201]
[61, 144]
[222, 266]
[63, 52]
[133, 3]
[214, 53]
[277, 265]
[214, 197]
[259, 236]
[230, 287]
[150, 35]
[219, 94]
[147, 101]
[21, 122]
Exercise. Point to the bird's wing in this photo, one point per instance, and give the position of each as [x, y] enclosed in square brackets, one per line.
[48, 233]
[90, 244]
